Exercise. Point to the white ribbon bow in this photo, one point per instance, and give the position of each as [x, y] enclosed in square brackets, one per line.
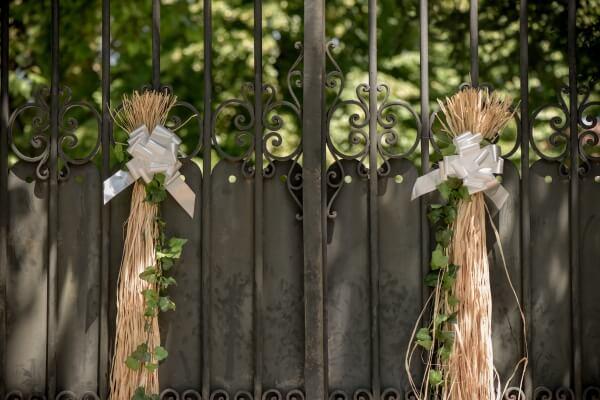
[475, 165]
[153, 153]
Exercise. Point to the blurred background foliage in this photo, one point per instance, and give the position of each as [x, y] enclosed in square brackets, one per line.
[182, 63]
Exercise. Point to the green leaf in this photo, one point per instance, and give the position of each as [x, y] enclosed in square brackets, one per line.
[444, 237]
[149, 275]
[449, 150]
[444, 190]
[431, 279]
[133, 363]
[453, 301]
[438, 258]
[440, 319]
[160, 353]
[426, 344]
[445, 353]
[448, 281]
[165, 282]
[435, 215]
[139, 394]
[447, 337]
[423, 334]
[449, 215]
[166, 263]
[151, 296]
[151, 367]
[176, 245]
[166, 304]
[141, 353]
[435, 377]
[463, 193]
[118, 151]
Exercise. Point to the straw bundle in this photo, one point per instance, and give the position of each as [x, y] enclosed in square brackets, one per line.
[150, 109]
[470, 366]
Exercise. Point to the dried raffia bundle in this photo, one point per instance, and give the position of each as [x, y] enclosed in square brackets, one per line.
[147, 254]
[459, 362]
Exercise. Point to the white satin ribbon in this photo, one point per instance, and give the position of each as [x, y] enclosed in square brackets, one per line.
[153, 153]
[475, 165]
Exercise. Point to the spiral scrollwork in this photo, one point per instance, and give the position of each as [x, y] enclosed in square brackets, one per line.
[362, 394]
[176, 122]
[191, 394]
[243, 395]
[514, 393]
[272, 394]
[274, 116]
[561, 393]
[389, 122]
[295, 394]
[338, 395]
[169, 394]
[391, 394]
[591, 393]
[41, 126]
[241, 114]
[219, 394]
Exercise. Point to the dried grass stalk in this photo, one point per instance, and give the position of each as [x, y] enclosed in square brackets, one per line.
[470, 368]
[149, 108]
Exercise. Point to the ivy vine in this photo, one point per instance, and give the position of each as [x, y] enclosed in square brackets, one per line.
[156, 299]
[438, 337]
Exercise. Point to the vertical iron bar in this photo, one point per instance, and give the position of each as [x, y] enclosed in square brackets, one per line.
[313, 199]
[524, 186]
[3, 191]
[574, 199]
[424, 67]
[258, 202]
[206, 185]
[474, 41]
[156, 44]
[373, 212]
[103, 346]
[52, 283]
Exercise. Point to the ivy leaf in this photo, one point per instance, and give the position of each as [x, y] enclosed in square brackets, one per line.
[149, 275]
[176, 246]
[151, 296]
[139, 394]
[463, 193]
[444, 190]
[435, 377]
[445, 353]
[133, 363]
[431, 279]
[435, 215]
[165, 282]
[151, 367]
[141, 353]
[166, 304]
[444, 237]
[426, 344]
[118, 151]
[423, 334]
[160, 353]
[449, 215]
[438, 258]
[440, 319]
[165, 262]
[449, 150]
[448, 281]
[453, 301]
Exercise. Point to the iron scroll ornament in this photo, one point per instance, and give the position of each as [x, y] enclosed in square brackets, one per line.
[41, 126]
[588, 135]
[388, 125]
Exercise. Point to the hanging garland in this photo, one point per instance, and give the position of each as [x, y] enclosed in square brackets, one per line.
[148, 255]
[459, 362]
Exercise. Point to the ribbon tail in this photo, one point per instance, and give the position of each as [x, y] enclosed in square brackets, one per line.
[498, 195]
[426, 184]
[183, 194]
[116, 184]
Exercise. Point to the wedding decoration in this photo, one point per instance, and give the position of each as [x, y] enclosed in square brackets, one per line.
[148, 255]
[459, 362]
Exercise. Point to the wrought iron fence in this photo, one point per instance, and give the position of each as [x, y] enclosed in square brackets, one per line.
[302, 278]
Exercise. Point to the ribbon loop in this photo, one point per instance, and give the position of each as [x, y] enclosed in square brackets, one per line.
[475, 165]
[153, 153]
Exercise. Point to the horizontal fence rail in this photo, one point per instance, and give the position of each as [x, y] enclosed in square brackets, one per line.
[303, 274]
